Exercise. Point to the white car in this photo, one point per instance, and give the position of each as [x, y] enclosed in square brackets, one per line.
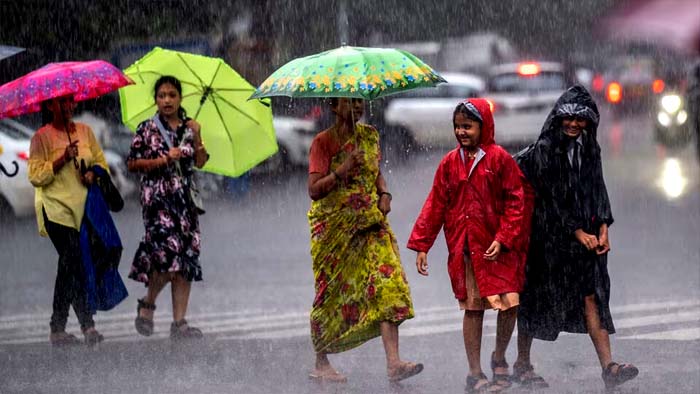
[16, 193]
[522, 95]
[426, 114]
[294, 137]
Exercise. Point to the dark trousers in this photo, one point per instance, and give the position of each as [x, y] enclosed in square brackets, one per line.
[69, 289]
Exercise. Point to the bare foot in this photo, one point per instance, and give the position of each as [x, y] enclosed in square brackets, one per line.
[326, 373]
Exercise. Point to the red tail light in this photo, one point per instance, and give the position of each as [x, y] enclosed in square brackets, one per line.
[598, 83]
[23, 155]
[492, 105]
[528, 69]
[658, 86]
[614, 93]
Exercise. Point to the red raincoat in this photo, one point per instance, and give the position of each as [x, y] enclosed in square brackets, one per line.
[486, 205]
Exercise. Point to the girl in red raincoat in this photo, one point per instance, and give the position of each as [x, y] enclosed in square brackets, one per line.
[478, 197]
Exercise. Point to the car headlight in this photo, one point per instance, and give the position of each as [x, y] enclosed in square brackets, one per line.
[682, 117]
[671, 103]
[663, 119]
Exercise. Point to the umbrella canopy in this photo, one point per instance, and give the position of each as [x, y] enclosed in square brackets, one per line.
[366, 73]
[672, 23]
[238, 133]
[82, 80]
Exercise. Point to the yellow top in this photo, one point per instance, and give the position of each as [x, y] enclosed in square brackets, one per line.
[62, 195]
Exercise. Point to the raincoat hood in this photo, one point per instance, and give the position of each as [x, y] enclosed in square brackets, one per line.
[482, 110]
[575, 101]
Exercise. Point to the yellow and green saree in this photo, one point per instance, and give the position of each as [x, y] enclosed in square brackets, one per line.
[359, 280]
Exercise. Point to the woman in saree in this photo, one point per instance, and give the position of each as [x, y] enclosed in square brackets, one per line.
[361, 287]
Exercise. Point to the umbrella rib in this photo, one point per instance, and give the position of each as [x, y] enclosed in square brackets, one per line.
[236, 108]
[190, 68]
[228, 133]
[139, 72]
[138, 116]
[207, 90]
[234, 90]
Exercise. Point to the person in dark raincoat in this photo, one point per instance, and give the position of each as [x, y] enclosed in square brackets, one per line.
[478, 197]
[567, 287]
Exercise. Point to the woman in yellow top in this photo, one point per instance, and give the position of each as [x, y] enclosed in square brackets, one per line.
[60, 198]
[361, 288]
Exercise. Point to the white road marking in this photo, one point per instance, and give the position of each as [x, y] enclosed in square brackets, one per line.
[261, 324]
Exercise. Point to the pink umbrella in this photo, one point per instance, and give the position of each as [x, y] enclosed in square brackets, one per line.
[83, 80]
[672, 23]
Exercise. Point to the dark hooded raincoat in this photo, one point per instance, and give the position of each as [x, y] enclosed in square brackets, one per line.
[560, 271]
[476, 206]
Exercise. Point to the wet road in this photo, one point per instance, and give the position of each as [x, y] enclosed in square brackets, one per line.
[254, 302]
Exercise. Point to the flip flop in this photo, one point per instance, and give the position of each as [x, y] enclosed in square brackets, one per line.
[623, 373]
[330, 377]
[405, 371]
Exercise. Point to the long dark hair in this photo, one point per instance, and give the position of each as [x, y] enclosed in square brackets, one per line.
[181, 113]
[46, 114]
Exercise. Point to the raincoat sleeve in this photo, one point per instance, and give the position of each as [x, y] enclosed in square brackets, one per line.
[432, 215]
[40, 164]
[604, 212]
[510, 224]
[98, 155]
[538, 173]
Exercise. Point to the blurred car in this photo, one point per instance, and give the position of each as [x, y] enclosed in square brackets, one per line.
[522, 95]
[294, 137]
[16, 193]
[425, 115]
[631, 83]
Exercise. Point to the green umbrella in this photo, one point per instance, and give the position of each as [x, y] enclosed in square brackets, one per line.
[238, 133]
[366, 73]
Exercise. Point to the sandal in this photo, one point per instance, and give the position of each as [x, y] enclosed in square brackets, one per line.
[61, 339]
[525, 376]
[404, 371]
[328, 377]
[180, 330]
[143, 325]
[473, 382]
[623, 373]
[92, 337]
[500, 379]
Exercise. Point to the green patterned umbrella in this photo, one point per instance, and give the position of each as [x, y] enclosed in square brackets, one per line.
[366, 73]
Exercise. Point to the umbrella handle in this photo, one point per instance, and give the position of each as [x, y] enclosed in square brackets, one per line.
[75, 161]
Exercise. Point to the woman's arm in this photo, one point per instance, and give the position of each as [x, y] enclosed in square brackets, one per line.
[320, 185]
[384, 199]
[41, 169]
[201, 156]
[147, 165]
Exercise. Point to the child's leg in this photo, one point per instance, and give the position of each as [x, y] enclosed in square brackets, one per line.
[471, 330]
[599, 335]
[504, 331]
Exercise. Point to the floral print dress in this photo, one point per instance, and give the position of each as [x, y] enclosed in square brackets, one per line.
[172, 239]
[359, 280]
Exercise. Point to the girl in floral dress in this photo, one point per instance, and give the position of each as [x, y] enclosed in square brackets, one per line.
[169, 251]
[361, 288]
